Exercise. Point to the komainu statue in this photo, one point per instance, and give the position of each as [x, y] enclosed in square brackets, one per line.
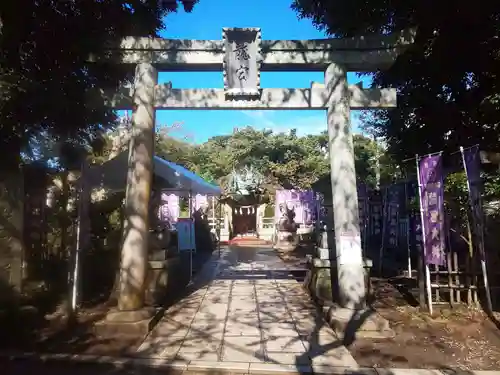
[286, 228]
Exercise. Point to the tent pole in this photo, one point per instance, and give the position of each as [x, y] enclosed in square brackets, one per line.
[190, 207]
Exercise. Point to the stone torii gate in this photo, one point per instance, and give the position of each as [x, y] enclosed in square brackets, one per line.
[242, 55]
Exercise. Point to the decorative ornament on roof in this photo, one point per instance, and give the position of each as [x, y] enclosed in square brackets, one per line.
[245, 181]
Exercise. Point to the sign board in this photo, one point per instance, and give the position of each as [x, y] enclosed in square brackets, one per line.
[241, 62]
[350, 249]
[185, 234]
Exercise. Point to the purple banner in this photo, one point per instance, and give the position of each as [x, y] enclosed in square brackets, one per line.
[393, 196]
[169, 209]
[432, 204]
[415, 221]
[415, 234]
[472, 165]
[363, 207]
[199, 201]
[303, 203]
[376, 215]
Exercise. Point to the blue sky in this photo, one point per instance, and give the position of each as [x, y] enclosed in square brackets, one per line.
[277, 21]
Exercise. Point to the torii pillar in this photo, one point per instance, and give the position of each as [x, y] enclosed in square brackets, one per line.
[134, 251]
[348, 252]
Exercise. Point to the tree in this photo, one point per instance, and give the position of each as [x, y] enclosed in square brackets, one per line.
[284, 159]
[448, 82]
[45, 77]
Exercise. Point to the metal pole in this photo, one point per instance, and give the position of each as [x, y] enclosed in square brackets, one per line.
[190, 222]
[427, 271]
[377, 164]
[481, 243]
[384, 228]
[408, 230]
[76, 265]
[217, 228]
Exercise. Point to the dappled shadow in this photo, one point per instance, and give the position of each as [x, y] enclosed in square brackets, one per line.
[253, 311]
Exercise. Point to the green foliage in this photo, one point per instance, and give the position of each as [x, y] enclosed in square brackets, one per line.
[448, 81]
[44, 74]
[285, 159]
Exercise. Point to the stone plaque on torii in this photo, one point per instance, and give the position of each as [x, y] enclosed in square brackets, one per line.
[242, 55]
[241, 65]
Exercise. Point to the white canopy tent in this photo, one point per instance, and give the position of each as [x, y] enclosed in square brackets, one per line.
[112, 175]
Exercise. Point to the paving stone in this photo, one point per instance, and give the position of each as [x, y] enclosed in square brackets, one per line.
[202, 355]
[273, 368]
[243, 282]
[196, 341]
[159, 347]
[246, 317]
[301, 307]
[288, 358]
[188, 304]
[221, 283]
[284, 344]
[182, 316]
[219, 291]
[275, 317]
[279, 329]
[270, 298]
[214, 367]
[207, 326]
[249, 314]
[239, 303]
[210, 317]
[216, 298]
[243, 349]
[404, 371]
[308, 328]
[235, 328]
[153, 347]
[169, 327]
[243, 291]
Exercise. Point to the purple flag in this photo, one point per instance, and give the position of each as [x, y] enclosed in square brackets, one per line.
[301, 202]
[308, 200]
[376, 208]
[432, 204]
[362, 206]
[199, 201]
[391, 216]
[169, 210]
[472, 165]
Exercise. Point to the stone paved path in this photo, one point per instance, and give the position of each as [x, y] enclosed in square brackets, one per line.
[253, 313]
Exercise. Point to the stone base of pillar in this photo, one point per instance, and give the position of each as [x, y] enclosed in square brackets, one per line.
[319, 280]
[321, 273]
[365, 323]
[134, 322]
[348, 323]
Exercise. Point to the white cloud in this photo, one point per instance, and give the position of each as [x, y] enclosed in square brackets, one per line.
[312, 124]
[308, 124]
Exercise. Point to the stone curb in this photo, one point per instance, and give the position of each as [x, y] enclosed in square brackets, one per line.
[206, 367]
[160, 311]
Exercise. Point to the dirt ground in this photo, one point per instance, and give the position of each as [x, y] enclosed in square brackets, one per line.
[54, 334]
[28, 330]
[458, 338]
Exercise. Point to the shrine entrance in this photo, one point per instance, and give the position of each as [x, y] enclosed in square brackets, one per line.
[246, 198]
[241, 56]
[245, 221]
